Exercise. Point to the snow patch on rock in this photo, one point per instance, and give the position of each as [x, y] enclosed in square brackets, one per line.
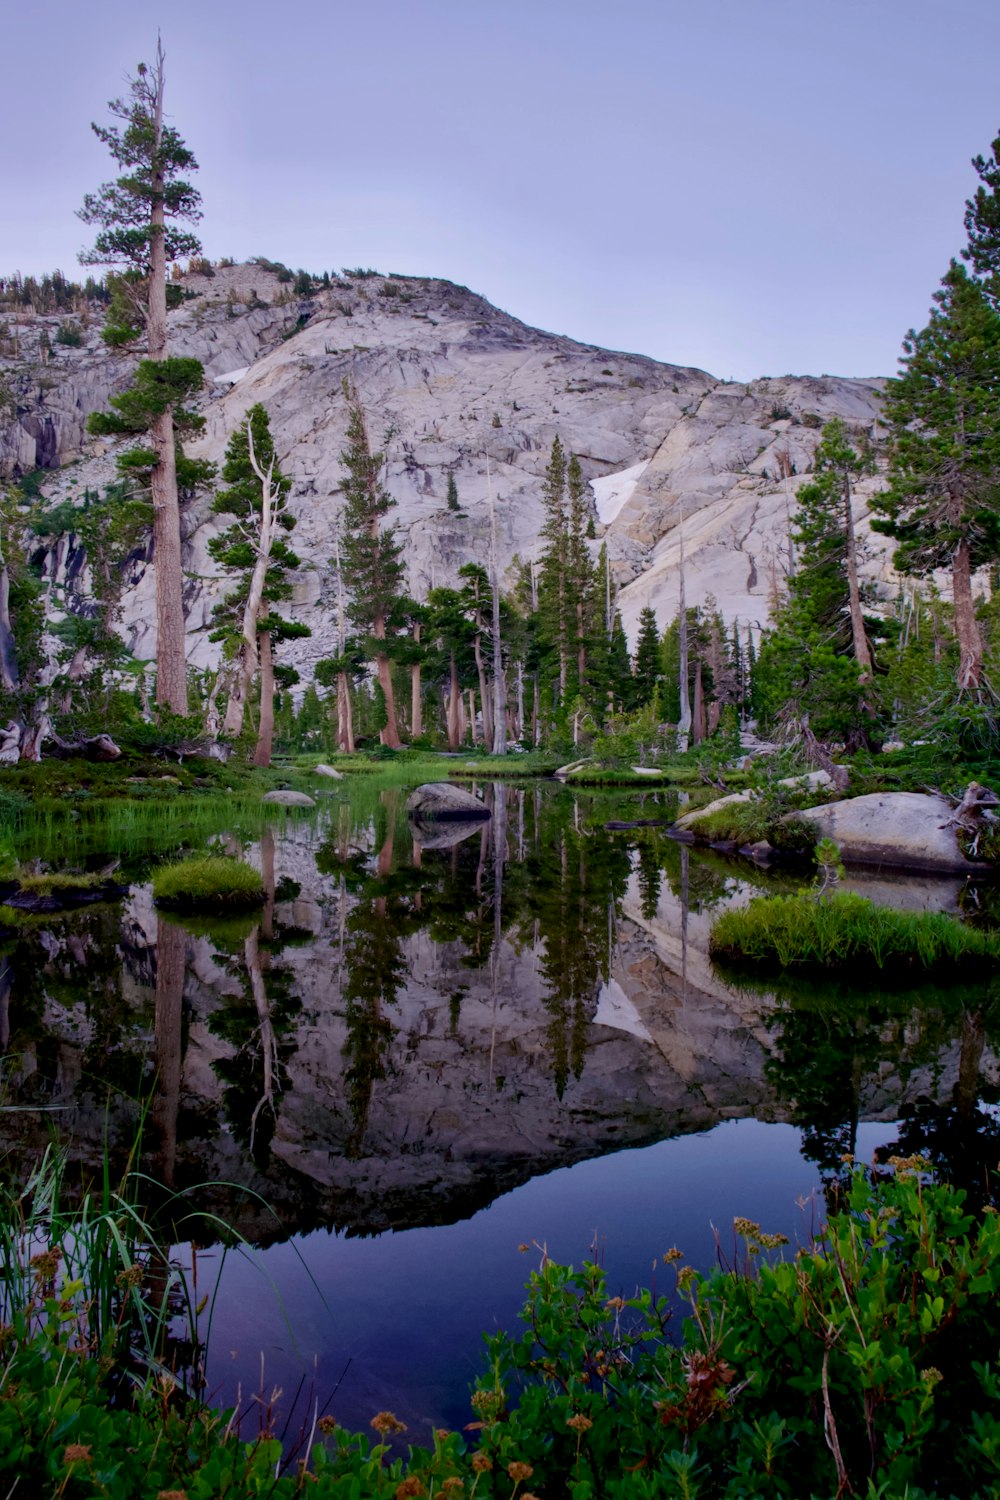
[615, 490]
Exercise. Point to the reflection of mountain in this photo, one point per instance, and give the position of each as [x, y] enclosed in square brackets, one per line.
[462, 1022]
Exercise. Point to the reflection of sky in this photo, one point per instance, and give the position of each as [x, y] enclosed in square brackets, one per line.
[408, 1310]
[749, 188]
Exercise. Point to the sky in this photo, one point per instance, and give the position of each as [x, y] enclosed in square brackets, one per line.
[755, 187]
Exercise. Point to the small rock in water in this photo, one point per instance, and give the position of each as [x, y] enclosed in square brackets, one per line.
[288, 799]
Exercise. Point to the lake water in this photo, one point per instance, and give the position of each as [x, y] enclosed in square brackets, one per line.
[419, 1059]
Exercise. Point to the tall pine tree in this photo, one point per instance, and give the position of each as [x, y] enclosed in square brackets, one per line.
[943, 501]
[137, 217]
[372, 566]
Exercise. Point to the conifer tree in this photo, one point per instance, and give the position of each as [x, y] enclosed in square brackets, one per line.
[137, 217]
[476, 593]
[982, 223]
[647, 658]
[254, 548]
[372, 556]
[580, 572]
[451, 631]
[552, 590]
[943, 501]
[451, 498]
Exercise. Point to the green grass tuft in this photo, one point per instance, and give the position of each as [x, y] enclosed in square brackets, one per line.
[849, 931]
[211, 883]
[51, 882]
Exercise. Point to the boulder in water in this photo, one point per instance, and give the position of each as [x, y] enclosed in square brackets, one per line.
[288, 799]
[907, 830]
[440, 801]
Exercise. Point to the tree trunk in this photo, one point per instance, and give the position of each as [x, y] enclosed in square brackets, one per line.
[859, 639]
[484, 696]
[453, 697]
[383, 667]
[684, 722]
[581, 649]
[416, 706]
[472, 715]
[171, 680]
[265, 732]
[499, 736]
[345, 717]
[970, 642]
[699, 728]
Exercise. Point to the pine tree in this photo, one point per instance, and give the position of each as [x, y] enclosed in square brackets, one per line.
[137, 217]
[254, 548]
[982, 223]
[552, 590]
[452, 495]
[450, 630]
[476, 593]
[943, 503]
[647, 658]
[372, 555]
[580, 577]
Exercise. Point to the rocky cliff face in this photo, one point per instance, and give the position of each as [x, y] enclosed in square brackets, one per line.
[460, 388]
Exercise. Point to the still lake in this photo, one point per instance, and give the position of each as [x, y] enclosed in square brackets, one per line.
[424, 1055]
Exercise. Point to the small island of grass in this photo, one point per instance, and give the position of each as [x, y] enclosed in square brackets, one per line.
[213, 883]
[848, 931]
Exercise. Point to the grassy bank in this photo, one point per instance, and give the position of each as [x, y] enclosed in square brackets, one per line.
[880, 1336]
[849, 932]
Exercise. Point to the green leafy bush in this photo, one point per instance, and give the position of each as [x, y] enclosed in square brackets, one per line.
[847, 929]
[863, 1365]
[211, 883]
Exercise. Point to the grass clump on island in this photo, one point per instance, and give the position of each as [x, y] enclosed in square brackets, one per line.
[863, 1364]
[211, 883]
[845, 930]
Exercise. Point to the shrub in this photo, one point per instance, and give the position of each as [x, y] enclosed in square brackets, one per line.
[760, 817]
[211, 883]
[69, 335]
[848, 929]
[863, 1366]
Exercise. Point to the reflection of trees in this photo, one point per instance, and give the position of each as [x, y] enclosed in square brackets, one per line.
[961, 1138]
[171, 953]
[575, 876]
[832, 1041]
[70, 963]
[258, 1022]
[373, 968]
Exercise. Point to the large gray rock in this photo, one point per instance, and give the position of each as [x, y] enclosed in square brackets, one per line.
[908, 830]
[328, 771]
[440, 801]
[453, 377]
[288, 799]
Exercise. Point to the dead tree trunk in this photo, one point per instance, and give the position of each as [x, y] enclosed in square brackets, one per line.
[265, 732]
[171, 677]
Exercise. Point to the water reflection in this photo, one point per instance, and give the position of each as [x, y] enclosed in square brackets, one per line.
[415, 1024]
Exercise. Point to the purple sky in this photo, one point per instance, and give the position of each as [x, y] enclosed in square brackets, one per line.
[752, 186]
